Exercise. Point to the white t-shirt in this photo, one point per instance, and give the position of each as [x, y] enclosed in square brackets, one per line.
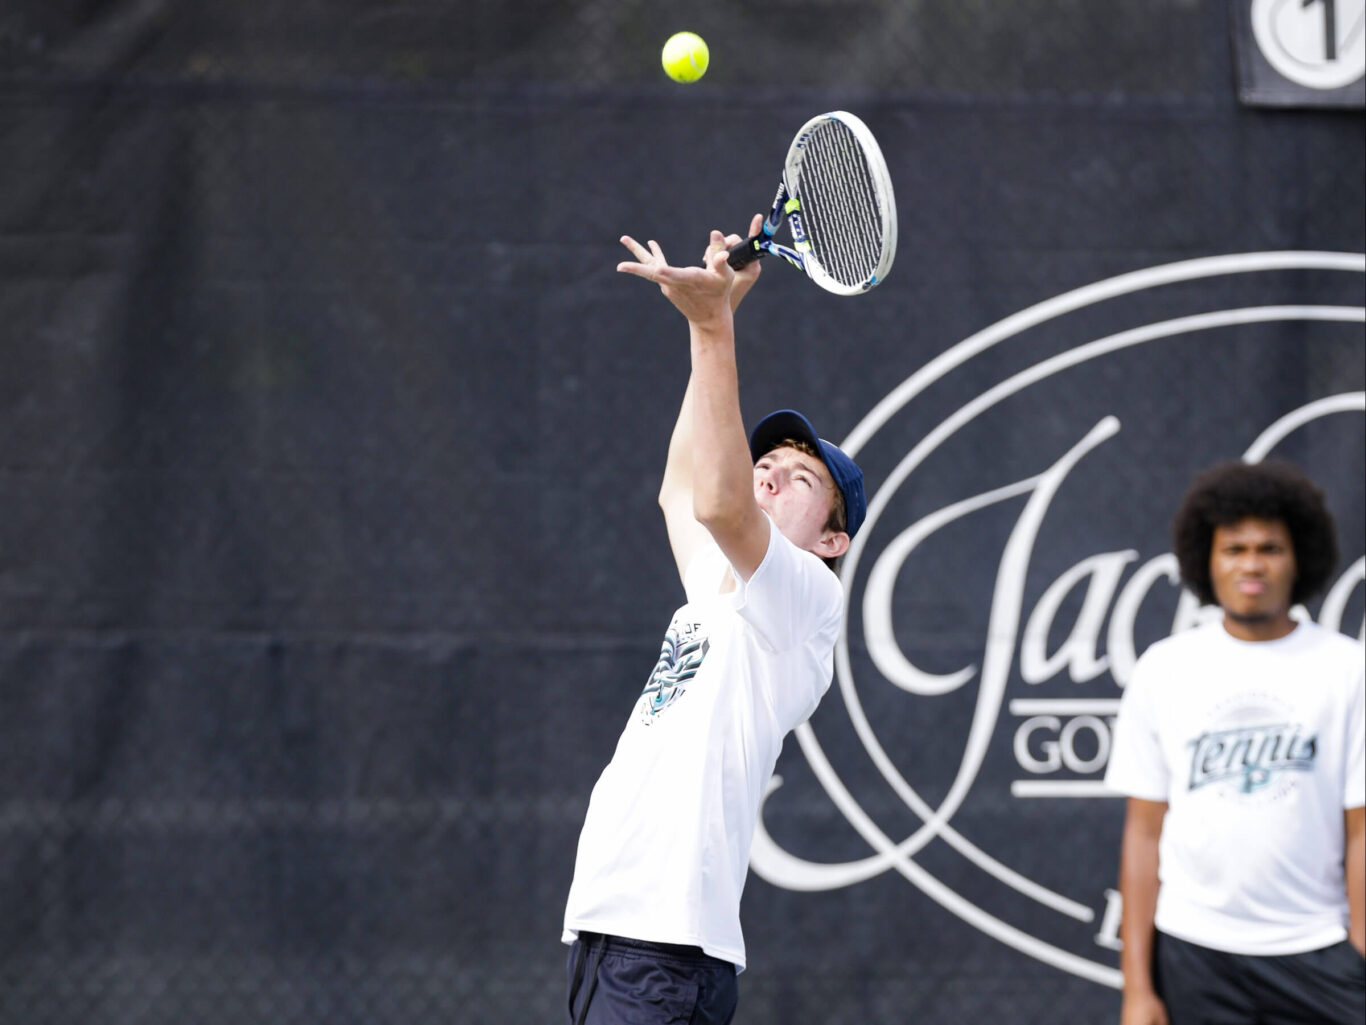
[1257, 748]
[665, 845]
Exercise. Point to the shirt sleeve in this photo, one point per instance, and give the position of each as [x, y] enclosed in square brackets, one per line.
[1137, 766]
[705, 571]
[792, 598]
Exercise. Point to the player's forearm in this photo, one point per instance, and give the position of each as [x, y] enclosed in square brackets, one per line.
[678, 463]
[723, 476]
[1138, 885]
[1355, 866]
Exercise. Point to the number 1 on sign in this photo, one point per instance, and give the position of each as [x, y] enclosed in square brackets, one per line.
[1108, 936]
[1330, 27]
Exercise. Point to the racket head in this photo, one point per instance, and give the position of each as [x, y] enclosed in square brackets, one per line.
[842, 210]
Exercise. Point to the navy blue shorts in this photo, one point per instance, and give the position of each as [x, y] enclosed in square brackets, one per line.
[616, 981]
[1201, 986]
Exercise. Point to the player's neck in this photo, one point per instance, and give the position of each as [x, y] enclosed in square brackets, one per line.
[1259, 628]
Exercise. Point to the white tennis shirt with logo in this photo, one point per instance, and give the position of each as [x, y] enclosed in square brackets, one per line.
[665, 845]
[1257, 748]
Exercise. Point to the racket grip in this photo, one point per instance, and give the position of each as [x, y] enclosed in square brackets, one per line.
[742, 254]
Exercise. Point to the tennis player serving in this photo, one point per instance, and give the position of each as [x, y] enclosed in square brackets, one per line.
[756, 526]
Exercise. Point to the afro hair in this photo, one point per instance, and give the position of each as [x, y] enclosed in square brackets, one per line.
[1234, 491]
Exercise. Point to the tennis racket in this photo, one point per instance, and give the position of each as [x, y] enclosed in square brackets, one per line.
[836, 197]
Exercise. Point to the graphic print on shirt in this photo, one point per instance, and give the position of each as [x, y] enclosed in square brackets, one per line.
[685, 646]
[1253, 751]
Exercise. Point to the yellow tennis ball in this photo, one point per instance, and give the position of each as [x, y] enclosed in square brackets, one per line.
[685, 57]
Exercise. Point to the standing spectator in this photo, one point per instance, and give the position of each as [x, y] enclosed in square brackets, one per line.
[1239, 745]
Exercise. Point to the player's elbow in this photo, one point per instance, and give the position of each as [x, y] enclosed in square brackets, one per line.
[718, 514]
[675, 499]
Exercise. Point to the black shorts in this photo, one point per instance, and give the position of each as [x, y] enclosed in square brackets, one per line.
[1201, 986]
[632, 982]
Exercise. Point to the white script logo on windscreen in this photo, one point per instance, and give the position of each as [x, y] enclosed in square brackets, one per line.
[685, 646]
[1013, 565]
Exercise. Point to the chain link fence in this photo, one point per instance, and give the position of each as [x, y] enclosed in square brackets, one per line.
[1049, 47]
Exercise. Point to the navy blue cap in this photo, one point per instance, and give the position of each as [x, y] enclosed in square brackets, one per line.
[777, 427]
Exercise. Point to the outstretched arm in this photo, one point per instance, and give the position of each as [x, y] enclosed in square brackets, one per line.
[675, 491]
[709, 478]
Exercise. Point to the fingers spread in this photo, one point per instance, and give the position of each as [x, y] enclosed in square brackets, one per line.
[650, 262]
[635, 247]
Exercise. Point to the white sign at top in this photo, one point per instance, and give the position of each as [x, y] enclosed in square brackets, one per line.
[1318, 44]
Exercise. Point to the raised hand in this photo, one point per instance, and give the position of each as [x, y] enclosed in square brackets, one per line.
[747, 275]
[702, 294]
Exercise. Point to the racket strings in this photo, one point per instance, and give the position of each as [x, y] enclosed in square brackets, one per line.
[840, 209]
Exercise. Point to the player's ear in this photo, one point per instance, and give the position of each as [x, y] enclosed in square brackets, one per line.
[833, 544]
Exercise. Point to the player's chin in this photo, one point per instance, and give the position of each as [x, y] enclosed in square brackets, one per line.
[1253, 613]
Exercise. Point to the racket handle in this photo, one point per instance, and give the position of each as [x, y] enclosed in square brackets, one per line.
[742, 254]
